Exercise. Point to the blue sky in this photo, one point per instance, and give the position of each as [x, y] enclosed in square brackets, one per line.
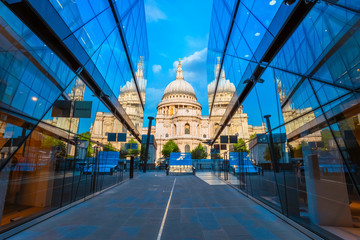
[176, 29]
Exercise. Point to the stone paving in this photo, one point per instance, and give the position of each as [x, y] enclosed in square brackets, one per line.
[135, 210]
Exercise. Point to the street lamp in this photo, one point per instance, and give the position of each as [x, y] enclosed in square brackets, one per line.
[254, 80]
[271, 144]
[289, 2]
[147, 143]
[207, 142]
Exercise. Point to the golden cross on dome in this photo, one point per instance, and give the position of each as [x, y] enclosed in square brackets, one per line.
[179, 60]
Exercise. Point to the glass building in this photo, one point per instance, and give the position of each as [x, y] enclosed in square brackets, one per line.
[296, 69]
[72, 80]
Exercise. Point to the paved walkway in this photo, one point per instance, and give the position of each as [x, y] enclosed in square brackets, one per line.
[136, 209]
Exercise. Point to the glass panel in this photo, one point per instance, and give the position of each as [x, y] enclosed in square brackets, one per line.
[68, 155]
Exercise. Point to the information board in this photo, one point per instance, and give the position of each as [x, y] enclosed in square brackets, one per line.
[234, 158]
[82, 109]
[245, 163]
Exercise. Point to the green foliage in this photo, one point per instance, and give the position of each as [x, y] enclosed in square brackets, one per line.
[253, 136]
[327, 137]
[169, 147]
[133, 152]
[215, 156]
[240, 146]
[87, 136]
[62, 151]
[50, 142]
[277, 153]
[123, 153]
[142, 153]
[109, 147]
[198, 152]
[291, 150]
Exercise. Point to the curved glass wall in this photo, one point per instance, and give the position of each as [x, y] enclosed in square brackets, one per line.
[300, 82]
[70, 91]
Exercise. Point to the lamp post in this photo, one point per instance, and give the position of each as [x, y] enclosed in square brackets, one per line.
[226, 134]
[147, 143]
[271, 144]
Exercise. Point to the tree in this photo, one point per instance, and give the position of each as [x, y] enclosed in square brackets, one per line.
[240, 146]
[169, 147]
[215, 156]
[277, 153]
[87, 136]
[198, 152]
[253, 136]
[60, 146]
[142, 154]
[109, 147]
[123, 153]
[133, 152]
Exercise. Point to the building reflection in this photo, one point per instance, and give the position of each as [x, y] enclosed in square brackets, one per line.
[128, 97]
[306, 165]
[56, 90]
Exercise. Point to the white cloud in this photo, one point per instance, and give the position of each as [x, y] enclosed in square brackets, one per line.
[194, 66]
[156, 68]
[153, 12]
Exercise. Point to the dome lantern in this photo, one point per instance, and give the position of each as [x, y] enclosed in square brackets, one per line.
[179, 85]
[179, 72]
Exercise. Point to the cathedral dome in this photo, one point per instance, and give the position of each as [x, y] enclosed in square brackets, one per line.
[224, 85]
[179, 85]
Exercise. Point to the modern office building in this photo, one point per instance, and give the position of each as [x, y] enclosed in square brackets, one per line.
[63, 64]
[299, 63]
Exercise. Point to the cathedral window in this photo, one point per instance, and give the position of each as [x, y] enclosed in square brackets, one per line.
[187, 148]
[174, 130]
[167, 135]
[187, 128]
[204, 136]
[216, 127]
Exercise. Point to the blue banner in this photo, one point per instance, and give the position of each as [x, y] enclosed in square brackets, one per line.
[177, 158]
[234, 158]
[245, 162]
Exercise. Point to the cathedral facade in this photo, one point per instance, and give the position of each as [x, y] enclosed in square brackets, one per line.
[179, 115]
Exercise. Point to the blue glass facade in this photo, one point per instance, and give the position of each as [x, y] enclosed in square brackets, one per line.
[301, 65]
[65, 67]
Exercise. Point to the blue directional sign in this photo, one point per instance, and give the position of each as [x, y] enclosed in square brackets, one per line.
[121, 137]
[129, 146]
[177, 158]
[111, 137]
